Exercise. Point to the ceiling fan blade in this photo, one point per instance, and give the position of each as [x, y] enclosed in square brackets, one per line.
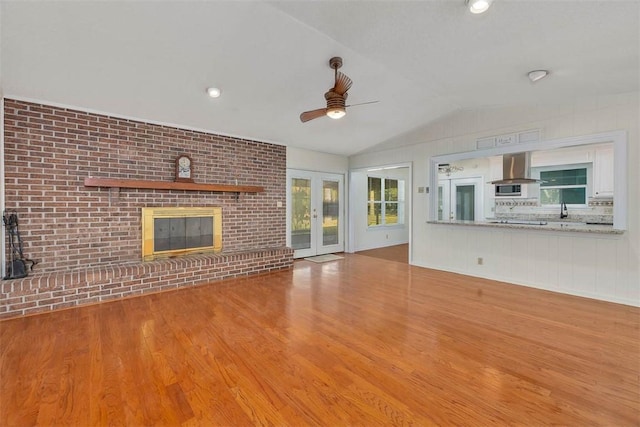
[343, 83]
[361, 103]
[313, 114]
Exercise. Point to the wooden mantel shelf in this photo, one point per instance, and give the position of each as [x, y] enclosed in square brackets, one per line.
[169, 185]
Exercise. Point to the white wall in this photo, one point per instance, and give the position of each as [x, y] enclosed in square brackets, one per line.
[597, 266]
[298, 158]
[364, 237]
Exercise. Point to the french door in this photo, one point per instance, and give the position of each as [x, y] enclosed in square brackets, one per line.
[460, 199]
[315, 214]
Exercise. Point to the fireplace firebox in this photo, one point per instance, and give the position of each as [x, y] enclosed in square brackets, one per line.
[169, 232]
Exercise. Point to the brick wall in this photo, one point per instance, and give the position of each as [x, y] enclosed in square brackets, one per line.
[68, 227]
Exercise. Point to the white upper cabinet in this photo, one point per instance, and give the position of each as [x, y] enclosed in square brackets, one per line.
[561, 156]
[495, 168]
[603, 171]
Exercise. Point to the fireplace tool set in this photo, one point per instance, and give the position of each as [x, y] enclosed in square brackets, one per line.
[17, 266]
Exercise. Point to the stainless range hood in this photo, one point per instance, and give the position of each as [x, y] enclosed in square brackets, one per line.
[515, 169]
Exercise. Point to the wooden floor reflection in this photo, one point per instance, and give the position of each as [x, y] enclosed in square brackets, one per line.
[398, 253]
[358, 341]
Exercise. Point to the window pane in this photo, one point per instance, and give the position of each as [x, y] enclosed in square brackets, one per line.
[374, 213]
[375, 189]
[574, 196]
[391, 190]
[570, 196]
[391, 213]
[564, 177]
[550, 196]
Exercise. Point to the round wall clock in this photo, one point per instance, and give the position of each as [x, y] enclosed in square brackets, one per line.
[184, 168]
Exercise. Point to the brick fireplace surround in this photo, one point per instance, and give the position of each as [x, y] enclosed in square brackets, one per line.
[87, 241]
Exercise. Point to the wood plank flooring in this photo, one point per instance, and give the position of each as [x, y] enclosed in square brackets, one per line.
[398, 253]
[358, 341]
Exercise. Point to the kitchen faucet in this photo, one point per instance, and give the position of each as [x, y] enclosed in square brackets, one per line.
[563, 210]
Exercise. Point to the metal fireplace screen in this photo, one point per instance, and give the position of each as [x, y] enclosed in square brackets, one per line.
[168, 232]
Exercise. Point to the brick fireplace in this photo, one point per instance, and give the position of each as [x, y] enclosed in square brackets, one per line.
[87, 240]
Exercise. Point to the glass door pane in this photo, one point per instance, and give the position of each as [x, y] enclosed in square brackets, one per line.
[300, 213]
[330, 212]
[465, 202]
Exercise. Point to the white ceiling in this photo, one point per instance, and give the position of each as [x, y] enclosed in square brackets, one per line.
[421, 59]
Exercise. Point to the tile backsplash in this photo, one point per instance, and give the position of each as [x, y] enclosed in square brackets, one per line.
[599, 210]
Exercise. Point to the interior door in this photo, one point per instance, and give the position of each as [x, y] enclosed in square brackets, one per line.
[460, 199]
[315, 214]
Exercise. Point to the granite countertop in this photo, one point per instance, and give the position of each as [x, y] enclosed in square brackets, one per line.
[579, 227]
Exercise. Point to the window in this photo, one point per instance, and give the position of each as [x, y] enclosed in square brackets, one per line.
[563, 185]
[385, 201]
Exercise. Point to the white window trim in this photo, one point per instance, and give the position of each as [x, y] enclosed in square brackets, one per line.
[535, 173]
[384, 202]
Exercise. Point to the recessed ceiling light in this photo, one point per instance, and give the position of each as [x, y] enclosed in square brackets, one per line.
[536, 75]
[478, 6]
[213, 92]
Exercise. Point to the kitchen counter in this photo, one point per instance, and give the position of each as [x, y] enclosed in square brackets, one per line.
[579, 227]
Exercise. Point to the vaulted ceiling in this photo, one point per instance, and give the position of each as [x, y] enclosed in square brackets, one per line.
[421, 60]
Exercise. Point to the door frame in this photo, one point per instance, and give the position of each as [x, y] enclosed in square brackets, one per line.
[317, 179]
[477, 182]
[355, 199]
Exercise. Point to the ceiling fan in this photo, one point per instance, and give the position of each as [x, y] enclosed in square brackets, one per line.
[336, 96]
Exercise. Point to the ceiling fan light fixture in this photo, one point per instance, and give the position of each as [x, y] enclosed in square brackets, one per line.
[336, 113]
[213, 92]
[537, 75]
[478, 6]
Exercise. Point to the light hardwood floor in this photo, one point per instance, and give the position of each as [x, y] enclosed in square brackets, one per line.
[398, 253]
[358, 341]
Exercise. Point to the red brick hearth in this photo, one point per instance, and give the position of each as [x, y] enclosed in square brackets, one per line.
[87, 240]
[56, 290]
